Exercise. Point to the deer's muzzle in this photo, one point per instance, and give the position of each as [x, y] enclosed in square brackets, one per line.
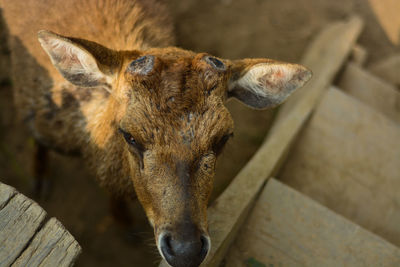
[187, 246]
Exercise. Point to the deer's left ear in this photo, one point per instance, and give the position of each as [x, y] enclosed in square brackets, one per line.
[262, 83]
[81, 62]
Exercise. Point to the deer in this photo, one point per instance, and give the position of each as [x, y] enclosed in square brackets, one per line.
[105, 80]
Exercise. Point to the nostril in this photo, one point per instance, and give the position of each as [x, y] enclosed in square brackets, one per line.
[205, 246]
[168, 242]
[166, 247]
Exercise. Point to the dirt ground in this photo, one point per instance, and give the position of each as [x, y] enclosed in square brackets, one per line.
[278, 29]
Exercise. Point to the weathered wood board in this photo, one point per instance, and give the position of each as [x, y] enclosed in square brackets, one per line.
[20, 219]
[388, 69]
[25, 238]
[228, 212]
[287, 228]
[348, 159]
[6, 193]
[371, 90]
[51, 246]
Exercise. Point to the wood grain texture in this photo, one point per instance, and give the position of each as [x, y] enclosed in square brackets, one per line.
[20, 220]
[6, 193]
[228, 212]
[287, 228]
[371, 90]
[25, 238]
[51, 246]
[348, 159]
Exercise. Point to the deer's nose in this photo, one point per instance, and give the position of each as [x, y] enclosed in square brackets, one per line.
[189, 251]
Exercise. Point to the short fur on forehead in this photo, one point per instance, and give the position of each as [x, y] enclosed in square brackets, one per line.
[177, 84]
[181, 95]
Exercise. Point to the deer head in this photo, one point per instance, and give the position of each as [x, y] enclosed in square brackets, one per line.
[169, 120]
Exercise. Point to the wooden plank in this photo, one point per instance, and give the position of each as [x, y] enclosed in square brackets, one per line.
[388, 69]
[228, 212]
[51, 246]
[23, 240]
[20, 220]
[6, 193]
[371, 91]
[348, 159]
[287, 228]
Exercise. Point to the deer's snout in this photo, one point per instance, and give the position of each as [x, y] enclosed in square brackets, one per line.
[187, 248]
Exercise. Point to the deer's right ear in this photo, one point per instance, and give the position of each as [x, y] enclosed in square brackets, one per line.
[78, 60]
[263, 83]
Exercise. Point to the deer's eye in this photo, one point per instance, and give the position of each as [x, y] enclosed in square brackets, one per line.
[216, 63]
[220, 143]
[131, 140]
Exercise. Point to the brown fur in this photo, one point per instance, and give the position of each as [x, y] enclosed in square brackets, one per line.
[174, 109]
[60, 115]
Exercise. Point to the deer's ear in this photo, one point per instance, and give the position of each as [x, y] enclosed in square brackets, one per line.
[261, 83]
[81, 62]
